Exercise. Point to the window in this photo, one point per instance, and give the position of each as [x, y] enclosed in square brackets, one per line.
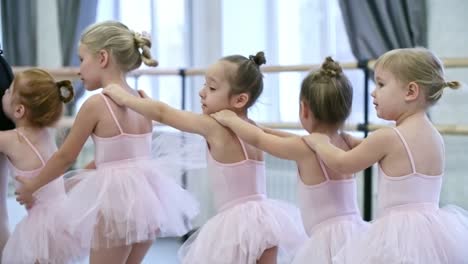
[164, 21]
[290, 33]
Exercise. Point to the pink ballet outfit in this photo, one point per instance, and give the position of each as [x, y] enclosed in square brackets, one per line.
[247, 222]
[411, 228]
[41, 236]
[331, 217]
[130, 197]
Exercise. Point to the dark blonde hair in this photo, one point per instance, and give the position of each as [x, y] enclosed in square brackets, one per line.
[42, 97]
[247, 78]
[328, 93]
[122, 43]
[417, 65]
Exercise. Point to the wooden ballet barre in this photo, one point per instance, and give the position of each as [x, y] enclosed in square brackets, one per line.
[72, 72]
[67, 122]
[443, 129]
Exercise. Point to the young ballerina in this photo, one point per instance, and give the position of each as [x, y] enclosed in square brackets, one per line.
[411, 228]
[35, 102]
[327, 199]
[248, 228]
[129, 199]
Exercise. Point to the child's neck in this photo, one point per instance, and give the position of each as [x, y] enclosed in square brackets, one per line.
[410, 115]
[113, 78]
[27, 127]
[241, 114]
[24, 124]
[330, 130]
[407, 117]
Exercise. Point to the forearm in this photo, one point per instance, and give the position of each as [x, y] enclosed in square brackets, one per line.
[54, 168]
[247, 132]
[352, 141]
[332, 156]
[145, 106]
[356, 141]
[278, 133]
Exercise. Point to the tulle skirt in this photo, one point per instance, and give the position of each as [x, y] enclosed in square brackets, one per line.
[127, 202]
[412, 234]
[41, 235]
[328, 238]
[241, 233]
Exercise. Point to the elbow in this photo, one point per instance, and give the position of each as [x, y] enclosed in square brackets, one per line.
[256, 140]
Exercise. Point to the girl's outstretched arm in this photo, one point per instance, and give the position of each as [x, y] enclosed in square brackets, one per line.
[290, 147]
[351, 140]
[276, 132]
[161, 112]
[369, 151]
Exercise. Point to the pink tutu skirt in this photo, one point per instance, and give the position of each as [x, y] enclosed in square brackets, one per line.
[127, 202]
[328, 238]
[412, 234]
[41, 235]
[241, 233]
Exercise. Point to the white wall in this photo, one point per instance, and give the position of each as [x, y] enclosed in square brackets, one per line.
[448, 35]
[48, 46]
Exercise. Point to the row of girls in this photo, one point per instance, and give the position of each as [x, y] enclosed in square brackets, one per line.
[114, 211]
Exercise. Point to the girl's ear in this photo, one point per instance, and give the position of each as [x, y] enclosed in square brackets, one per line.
[412, 91]
[19, 111]
[103, 56]
[240, 100]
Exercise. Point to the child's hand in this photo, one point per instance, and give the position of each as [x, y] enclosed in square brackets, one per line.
[224, 116]
[24, 193]
[116, 93]
[351, 141]
[314, 139]
[143, 94]
[90, 166]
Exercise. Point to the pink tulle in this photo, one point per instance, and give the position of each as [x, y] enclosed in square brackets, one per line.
[126, 202]
[411, 235]
[41, 235]
[329, 237]
[241, 234]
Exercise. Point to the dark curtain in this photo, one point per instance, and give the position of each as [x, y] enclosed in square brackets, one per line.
[74, 16]
[19, 32]
[377, 26]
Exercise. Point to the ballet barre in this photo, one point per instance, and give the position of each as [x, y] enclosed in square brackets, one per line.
[72, 72]
[67, 122]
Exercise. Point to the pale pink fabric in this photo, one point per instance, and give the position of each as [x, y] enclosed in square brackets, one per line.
[41, 235]
[247, 222]
[130, 197]
[411, 228]
[331, 217]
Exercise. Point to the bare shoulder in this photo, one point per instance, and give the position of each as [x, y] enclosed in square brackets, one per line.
[7, 135]
[93, 106]
[95, 100]
[385, 133]
[215, 132]
[8, 139]
[382, 140]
